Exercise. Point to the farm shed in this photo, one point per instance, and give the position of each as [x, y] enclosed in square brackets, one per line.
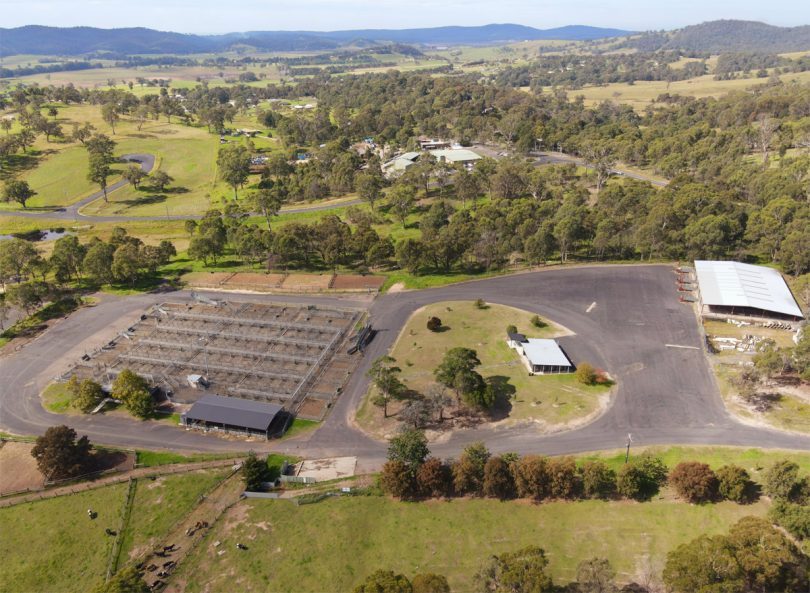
[230, 414]
[733, 288]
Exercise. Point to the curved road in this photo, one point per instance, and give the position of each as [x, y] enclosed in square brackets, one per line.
[147, 162]
[637, 330]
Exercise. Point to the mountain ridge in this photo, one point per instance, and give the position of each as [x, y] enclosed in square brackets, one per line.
[43, 40]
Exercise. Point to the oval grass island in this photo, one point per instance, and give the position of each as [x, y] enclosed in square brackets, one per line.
[552, 402]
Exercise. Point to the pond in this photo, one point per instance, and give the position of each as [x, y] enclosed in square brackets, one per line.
[49, 235]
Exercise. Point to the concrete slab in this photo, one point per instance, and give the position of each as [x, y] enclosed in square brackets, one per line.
[328, 469]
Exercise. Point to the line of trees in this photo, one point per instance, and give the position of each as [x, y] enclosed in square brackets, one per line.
[411, 473]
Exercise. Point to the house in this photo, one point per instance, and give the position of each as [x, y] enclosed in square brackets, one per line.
[433, 144]
[453, 156]
[541, 356]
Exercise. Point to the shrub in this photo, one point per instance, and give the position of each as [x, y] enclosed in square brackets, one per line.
[563, 477]
[88, 396]
[397, 480]
[795, 518]
[434, 324]
[433, 478]
[254, 471]
[598, 480]
[384, 580]
[481, 304]
[586, 374]
[782, 480]
[694, 481]
[468, 472]
[430, 583]
[498, 480]
[511, 329]
[641, 478]
[537, 321]
[531, 477]
[734, 483]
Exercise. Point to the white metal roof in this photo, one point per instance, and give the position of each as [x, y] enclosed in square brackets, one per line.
[732, 284]
[545, 352]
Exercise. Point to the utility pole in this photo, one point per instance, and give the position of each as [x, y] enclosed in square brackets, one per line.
[627, 453]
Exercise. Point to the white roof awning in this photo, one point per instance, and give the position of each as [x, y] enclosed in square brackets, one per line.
[733, 284]
[545, 352]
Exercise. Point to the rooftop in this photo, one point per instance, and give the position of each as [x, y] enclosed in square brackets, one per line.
[233, 411]
[733, 284]
[545, 352]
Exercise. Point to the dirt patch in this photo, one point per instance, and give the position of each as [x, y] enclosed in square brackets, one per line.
[312, 408]
[18, 470]
[255, 281]
[353, 282]
[307, 282]
[398, 287]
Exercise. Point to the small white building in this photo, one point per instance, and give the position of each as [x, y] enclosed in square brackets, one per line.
[542, 356]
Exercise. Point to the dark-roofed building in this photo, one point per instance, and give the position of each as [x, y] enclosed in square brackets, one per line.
[232, 414]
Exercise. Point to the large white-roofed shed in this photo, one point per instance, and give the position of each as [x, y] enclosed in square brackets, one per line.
[545, 356]
[733, 288]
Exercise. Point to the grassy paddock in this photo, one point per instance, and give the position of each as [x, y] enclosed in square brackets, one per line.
[156, 458]
[335, 543]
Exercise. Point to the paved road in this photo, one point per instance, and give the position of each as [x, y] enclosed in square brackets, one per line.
[551, 158]
[664, 395]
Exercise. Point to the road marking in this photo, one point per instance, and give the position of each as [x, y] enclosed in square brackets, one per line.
[679, 346]
[590, 308]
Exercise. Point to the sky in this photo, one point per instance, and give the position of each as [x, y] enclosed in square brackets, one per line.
[222, 16]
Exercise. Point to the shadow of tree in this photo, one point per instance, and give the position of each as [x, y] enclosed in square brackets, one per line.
[145, 200]
[504, 392]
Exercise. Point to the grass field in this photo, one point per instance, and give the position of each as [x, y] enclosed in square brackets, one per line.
[335, 543]
[551, 400]
[643, 93]
[159, 504]
[52, 545]
[57, 399]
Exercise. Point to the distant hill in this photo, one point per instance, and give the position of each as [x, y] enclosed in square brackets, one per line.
[40, 40]
[727, 36]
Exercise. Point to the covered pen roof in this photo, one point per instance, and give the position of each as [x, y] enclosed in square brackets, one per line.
[233, 412]
[544, 352]
[733, 284]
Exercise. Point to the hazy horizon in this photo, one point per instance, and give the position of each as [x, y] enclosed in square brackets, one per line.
[209, 17]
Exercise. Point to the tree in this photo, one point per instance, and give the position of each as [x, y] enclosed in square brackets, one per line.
[17, 191]
[254, 471]
[694, 481]
[60, 455]
[126, 263]
[734, 483]
[88, 395]
[641, 478]
[133, 390]
[754, 557]
[438, 398]
[109, 113]
[598, 480]
[430, 583]
[98, 261]
[596, 575]
[190, 226]
[410, 447]
[127, 580]
[457, 371]
[384, 581]
[234, 166]
[498, 481]
[268, 201]
[401, 199]
[468, 472]
[82, 133]
[384, 376]
[416, 414]
[397, 479]
[18, 258]
[134, 175]
[160, 179]
[782, 479]
[433, 478]
[522, 571]
[585, 373]
[66, 259]
[369, 187]
[27, 295]
[793, 517]
[601, 159]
